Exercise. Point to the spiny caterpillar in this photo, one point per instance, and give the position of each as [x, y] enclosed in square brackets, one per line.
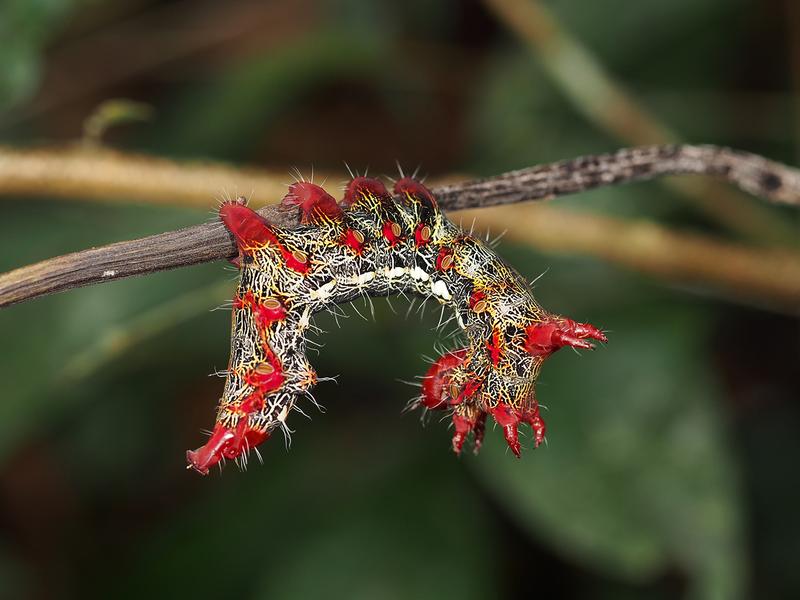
[371, 244]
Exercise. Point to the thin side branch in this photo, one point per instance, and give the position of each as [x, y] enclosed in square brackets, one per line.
[752, 173]
[594, 92]
[767, 179]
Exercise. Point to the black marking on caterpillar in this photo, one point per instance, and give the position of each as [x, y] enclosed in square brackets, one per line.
[370, 244]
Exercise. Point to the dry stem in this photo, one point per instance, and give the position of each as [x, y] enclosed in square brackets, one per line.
[594, 92]
[100, 174]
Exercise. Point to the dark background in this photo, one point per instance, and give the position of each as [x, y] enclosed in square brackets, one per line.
[671, 468]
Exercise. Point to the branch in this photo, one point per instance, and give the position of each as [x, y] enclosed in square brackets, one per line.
[66, 173]
[595, 93]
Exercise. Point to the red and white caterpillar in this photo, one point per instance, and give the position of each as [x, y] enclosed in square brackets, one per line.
[372, 244]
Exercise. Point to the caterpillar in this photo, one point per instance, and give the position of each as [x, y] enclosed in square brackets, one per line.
[372, 243]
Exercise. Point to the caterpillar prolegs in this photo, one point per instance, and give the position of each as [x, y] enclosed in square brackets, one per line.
[371, 243]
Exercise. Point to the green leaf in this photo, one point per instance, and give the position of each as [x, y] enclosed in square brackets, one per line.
[25, 27]
[257, 93]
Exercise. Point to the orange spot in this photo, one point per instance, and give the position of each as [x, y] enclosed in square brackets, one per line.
[266, 380]
[264, 311]
[435, 381]
[392, 231]
[354, 240]
[296, 261]
[265, 369]
[476, 298]
[422, 234]
[445, 259]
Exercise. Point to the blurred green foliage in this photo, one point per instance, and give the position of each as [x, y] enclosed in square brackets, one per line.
[25, 27]
[655, 481]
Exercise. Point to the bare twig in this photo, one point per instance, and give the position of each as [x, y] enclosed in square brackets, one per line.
[73, 172]
[604, 101]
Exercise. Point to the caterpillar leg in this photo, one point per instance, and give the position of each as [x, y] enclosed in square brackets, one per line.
[470, 419]
[478, 430]
[435, 383]
[534, 419]
[508, 419]
[438, 393]
[467, 419]
[225, 442]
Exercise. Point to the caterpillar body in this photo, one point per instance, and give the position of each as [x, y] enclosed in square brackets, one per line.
[371, 243]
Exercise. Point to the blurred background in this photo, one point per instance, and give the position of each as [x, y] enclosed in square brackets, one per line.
[671, 468]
